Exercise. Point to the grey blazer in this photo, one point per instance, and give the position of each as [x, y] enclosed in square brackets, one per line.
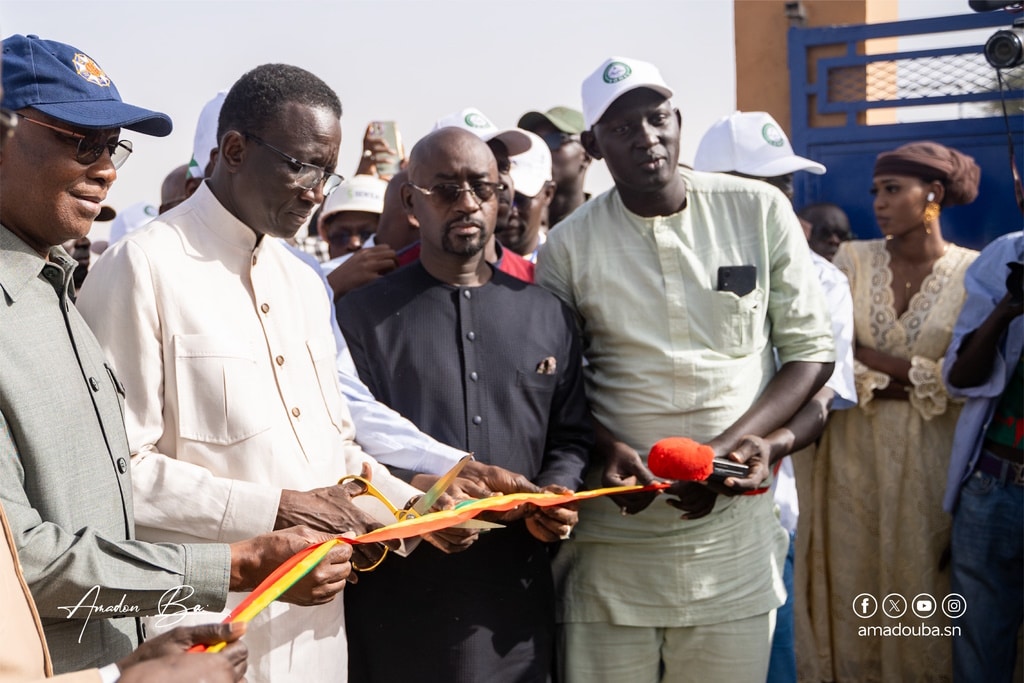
[65, 476]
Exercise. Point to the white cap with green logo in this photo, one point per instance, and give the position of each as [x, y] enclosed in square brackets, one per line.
[473, 120]
[206, 135]
[614, 78]
[752, 143]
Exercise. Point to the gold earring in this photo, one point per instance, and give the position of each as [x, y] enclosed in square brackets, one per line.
[931, 214]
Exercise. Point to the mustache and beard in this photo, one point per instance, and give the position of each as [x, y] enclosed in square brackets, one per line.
[464, 245]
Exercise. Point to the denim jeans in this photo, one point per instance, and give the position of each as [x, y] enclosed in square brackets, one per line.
[986, 568]
[782, 666]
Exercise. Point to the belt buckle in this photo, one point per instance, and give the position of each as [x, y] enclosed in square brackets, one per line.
[1018, 473]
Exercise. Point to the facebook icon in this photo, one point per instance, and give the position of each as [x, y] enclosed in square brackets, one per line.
[865, 605]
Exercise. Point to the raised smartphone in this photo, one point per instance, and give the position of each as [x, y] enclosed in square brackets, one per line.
[388, 130]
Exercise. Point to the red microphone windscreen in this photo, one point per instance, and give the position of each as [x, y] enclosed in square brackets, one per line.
[681, 459]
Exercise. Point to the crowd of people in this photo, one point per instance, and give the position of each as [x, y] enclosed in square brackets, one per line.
[215, 392]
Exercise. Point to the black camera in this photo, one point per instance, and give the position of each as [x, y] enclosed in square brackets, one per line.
[1005, 48]
[1015, 282]
[992, 5]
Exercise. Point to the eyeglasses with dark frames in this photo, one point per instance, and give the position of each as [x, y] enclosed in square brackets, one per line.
[306, 176]
[90, 147]
[8, 122]
[449, 193]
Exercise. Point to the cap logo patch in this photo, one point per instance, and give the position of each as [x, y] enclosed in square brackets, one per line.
[616, 71]
[90, 70]
[475, 120]
[772, 135]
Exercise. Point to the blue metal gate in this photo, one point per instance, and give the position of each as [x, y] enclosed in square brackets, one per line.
[853, 83]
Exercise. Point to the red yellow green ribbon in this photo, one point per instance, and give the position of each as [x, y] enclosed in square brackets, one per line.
[274, 586]
[466, 510]
[303, 562]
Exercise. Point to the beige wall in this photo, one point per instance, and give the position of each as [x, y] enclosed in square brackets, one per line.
[762, 75]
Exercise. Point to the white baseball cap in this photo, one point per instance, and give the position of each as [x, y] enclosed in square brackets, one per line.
[206, 135]
[531, 169]
[131, 219]
[751, 143]
[358, 193]
[614, 78]
[473, 120]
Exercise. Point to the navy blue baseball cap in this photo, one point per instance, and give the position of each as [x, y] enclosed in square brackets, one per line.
[67, 84]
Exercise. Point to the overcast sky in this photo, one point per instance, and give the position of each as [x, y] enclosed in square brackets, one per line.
[412, 61]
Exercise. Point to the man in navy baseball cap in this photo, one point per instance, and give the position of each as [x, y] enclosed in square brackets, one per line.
[67, 84]
[56, 173]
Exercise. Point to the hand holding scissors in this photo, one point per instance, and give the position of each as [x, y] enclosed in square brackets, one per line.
[451, 540]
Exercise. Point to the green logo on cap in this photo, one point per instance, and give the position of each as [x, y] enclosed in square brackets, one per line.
[616, 71]
[772, 135]
[476, 120]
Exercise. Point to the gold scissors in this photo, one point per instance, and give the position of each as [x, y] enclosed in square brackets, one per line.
[421, 505]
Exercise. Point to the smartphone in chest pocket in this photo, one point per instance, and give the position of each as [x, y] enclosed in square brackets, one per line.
[740, 280]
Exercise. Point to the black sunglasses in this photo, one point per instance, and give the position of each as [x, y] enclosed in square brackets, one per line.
[449, 193]
[89, 148]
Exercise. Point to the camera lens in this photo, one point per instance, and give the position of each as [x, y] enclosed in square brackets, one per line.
[1004, 49]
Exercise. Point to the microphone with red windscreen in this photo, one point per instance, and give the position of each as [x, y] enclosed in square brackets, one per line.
[684, 459]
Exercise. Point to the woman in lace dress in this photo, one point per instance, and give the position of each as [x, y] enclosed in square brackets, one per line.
[880, 470]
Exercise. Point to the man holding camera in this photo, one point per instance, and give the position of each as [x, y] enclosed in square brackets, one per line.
[985, 489]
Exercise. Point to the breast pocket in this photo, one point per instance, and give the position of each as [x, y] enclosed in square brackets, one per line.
[323, 355]
[220, 398]
[739, 321]
[539, 388]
